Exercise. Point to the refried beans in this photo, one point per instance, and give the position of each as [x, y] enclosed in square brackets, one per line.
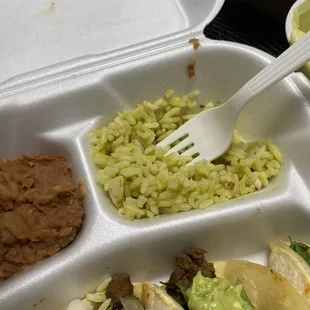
[41, 210]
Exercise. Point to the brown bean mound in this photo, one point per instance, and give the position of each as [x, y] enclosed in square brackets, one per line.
[40, 210]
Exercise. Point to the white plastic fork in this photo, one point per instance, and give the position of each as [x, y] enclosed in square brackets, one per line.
[210, 132]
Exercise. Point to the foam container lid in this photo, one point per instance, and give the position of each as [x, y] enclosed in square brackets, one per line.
[37, 34]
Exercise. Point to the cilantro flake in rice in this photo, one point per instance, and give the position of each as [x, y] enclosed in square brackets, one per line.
[142, 182]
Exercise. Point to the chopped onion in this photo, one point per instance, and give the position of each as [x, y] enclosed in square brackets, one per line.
[131, 303]
[77, 304]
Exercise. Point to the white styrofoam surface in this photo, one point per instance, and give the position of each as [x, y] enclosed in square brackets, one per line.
[55, 117]
[52, 112]
[39, 33]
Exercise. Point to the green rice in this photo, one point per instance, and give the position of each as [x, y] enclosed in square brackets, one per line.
[142, 182]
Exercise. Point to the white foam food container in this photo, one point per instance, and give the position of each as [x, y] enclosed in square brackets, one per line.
[44, 33]
[52, 113]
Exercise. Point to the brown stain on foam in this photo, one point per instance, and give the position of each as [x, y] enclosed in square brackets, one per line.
[39, 302]
[50, 10]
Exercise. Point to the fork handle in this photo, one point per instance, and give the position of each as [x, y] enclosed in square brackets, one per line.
[289, 61]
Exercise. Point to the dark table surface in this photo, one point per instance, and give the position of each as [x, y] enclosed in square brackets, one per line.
[276, 8]
[259, 23]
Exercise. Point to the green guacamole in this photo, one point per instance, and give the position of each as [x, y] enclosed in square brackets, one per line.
[215, 294]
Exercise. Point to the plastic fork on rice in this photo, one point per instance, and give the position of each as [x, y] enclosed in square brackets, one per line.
[208, 135]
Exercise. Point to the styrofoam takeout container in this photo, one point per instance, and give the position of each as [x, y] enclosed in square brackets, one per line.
[41, 33]
[53, 113]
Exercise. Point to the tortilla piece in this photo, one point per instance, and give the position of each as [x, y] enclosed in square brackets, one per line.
[291, 266]
[138, 289]
[154, 298]
[266, 289]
